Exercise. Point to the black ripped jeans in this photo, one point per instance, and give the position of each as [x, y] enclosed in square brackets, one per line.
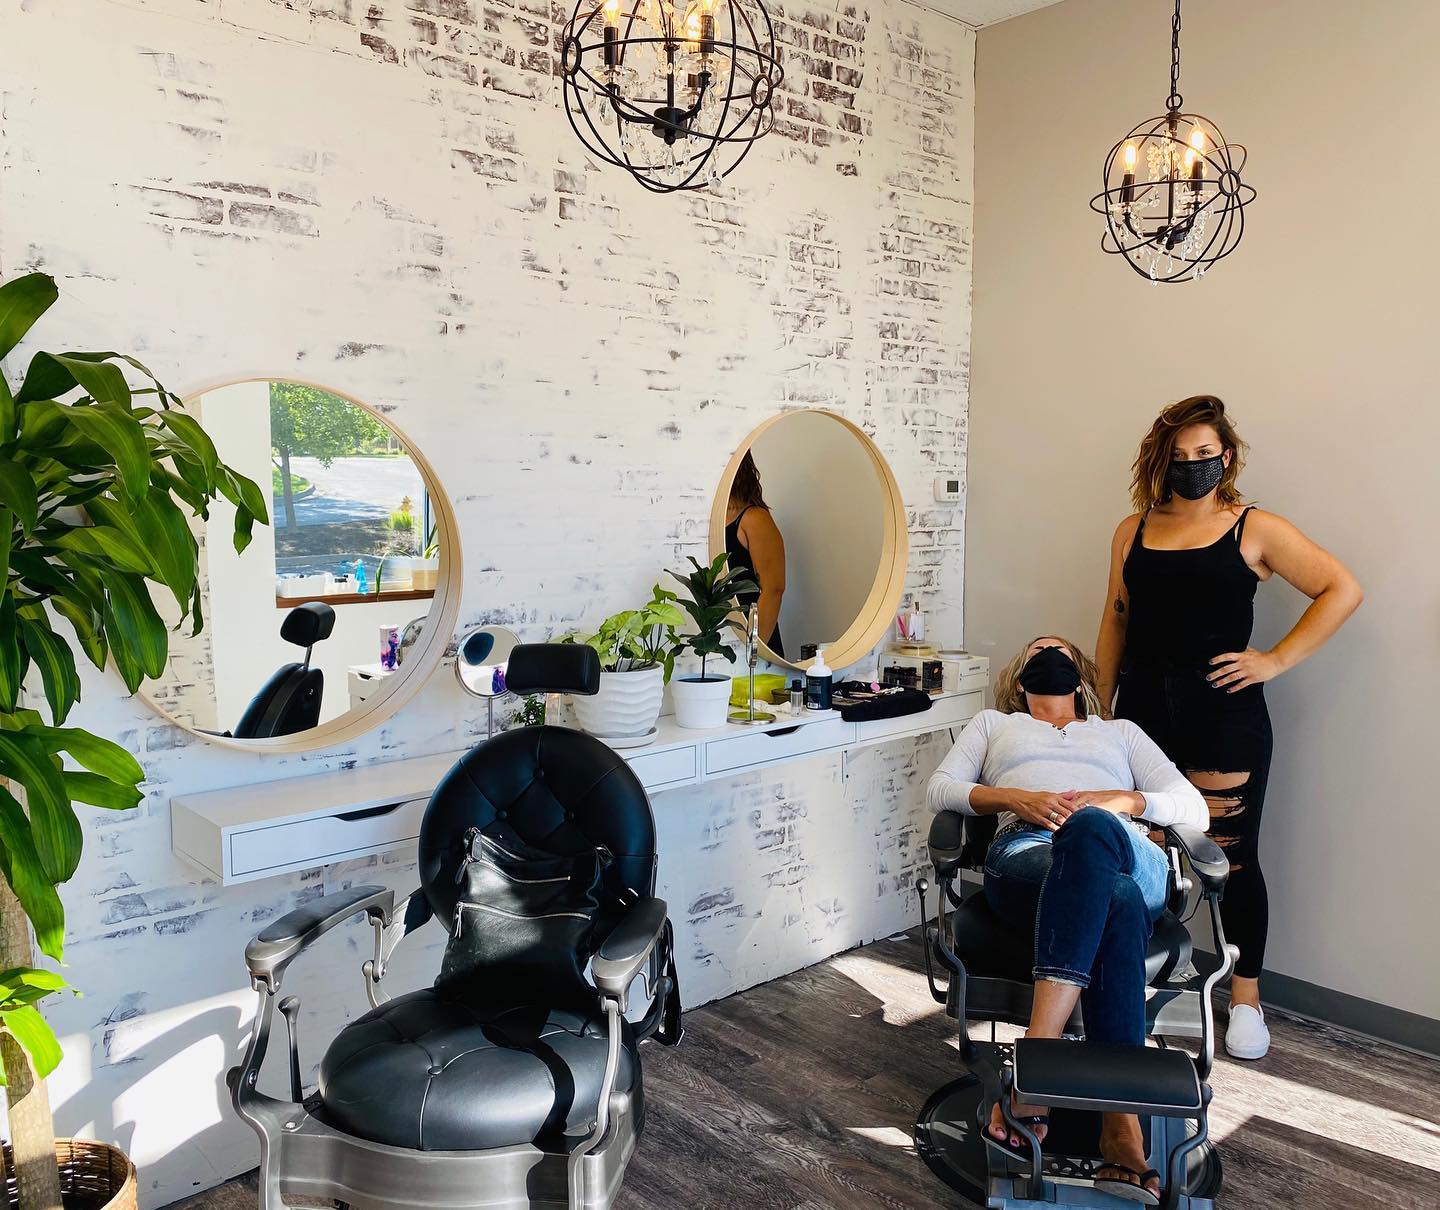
[1222, 742]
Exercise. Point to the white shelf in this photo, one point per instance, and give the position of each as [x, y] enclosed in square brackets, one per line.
[253, 832]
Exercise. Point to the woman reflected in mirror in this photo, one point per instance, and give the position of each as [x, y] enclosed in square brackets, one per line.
[756, 547]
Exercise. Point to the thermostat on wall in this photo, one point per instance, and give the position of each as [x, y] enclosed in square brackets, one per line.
[947, 489]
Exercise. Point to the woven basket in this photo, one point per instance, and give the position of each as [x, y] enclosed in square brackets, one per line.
[91, 1173]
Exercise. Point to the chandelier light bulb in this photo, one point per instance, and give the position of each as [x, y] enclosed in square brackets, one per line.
[611, 9]
[1130, 154]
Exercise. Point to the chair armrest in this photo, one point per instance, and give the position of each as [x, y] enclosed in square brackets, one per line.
[947, 842]
[281, 941]
[1206, 858]
[627, 948]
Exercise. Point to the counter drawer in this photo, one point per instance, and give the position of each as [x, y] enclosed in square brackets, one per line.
[764, 747]
[656, 770]
[305, 843]
[950, 711]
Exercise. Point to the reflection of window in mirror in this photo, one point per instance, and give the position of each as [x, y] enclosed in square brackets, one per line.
[344, 491]
[352, 516]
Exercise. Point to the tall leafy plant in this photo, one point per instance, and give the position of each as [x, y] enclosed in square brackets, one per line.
[98, 482]
[713, 596]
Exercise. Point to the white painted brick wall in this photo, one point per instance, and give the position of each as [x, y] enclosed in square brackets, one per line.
[385, 197]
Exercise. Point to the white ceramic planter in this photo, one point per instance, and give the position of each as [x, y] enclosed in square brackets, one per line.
[626, 706]
[397, 572]
[700, 705]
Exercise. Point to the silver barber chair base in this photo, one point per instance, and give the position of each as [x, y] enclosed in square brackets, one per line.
[949, 1138]
[306, 1161]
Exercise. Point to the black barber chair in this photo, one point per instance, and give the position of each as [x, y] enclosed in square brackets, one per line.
[510, 1097]
[290, 700]
[986, 963]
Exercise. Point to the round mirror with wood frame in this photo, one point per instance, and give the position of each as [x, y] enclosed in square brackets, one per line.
[826, 520]
[362, 543]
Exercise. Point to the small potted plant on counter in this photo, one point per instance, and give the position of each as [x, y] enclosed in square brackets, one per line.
[701, 702]
[637, 654]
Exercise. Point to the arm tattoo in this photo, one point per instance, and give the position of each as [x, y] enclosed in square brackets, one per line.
[1119, 605]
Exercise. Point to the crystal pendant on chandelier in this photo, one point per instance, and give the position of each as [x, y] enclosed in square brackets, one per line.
[675, 96]
[1173, 200]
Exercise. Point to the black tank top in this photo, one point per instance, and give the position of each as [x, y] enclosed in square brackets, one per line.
[1188, 606]
[739, 560]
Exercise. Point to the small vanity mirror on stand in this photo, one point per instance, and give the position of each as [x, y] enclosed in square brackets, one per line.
[751, 717]
[480, 658]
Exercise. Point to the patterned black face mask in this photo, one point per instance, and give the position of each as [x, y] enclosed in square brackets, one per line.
[1197, 479]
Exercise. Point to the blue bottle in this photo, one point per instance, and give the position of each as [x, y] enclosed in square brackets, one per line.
[361, 587]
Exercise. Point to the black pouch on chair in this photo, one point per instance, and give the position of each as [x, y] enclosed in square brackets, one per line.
[523, 923]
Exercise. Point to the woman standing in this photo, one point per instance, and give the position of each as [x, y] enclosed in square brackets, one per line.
[1175, 636]
[754, 544]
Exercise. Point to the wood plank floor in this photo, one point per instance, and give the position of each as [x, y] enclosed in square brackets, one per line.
[801, 1095]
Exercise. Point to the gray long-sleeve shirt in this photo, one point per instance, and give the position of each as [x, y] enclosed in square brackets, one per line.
[1098, 754]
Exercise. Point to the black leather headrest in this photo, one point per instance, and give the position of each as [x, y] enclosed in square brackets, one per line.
[307, 624]
[553, 668]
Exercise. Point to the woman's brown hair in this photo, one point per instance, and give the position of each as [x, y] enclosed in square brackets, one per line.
[1148, 486]
[745, 490]
[1010, 698]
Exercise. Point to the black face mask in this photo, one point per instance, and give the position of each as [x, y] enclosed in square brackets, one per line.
[1195, 480]
[1050, 673]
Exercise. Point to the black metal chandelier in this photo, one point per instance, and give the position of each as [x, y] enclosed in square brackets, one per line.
[1173, 201]
[675, 96]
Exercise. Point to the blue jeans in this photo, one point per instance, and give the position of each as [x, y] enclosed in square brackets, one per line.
[1092, 890]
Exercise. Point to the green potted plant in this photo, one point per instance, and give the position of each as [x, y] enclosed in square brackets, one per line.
[637, 650]
[98, 485]
[713, 592]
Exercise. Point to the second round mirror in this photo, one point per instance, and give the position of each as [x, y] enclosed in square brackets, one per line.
[809, 508]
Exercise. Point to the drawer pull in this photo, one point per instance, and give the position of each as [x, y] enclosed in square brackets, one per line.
[783, 731]
[370, 812]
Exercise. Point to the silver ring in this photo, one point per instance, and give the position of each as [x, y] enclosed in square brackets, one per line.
[1054, 815]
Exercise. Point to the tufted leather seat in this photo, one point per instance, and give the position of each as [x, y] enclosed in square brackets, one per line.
[991, 947]
[436, 1073]
[408, 1073]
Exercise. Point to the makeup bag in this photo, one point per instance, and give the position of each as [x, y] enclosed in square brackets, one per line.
[525, 919]
[866, 706]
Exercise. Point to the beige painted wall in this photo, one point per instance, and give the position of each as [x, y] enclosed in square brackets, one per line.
[1320, 335]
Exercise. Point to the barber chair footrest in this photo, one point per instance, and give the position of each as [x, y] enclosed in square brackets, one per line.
[1112, 1079]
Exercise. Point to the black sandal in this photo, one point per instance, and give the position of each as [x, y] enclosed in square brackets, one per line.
[1133, 1191]
[1003, 1145]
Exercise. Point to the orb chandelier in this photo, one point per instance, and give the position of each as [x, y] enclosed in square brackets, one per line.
[1173, 201]
[676, 97]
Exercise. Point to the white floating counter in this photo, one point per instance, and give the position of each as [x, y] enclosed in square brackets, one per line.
[260, 831]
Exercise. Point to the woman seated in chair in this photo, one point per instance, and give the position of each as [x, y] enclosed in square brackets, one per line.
[1077, 795]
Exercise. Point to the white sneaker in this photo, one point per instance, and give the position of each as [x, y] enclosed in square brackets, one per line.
[1247, 1036]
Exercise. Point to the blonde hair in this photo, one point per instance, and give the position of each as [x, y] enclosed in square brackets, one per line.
[1010, 698]
[1148, 486]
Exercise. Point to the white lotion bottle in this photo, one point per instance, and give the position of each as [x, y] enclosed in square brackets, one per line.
[818, 683]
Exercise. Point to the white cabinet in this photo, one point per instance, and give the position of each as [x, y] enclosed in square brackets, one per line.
[755, 749]
[298, 823]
